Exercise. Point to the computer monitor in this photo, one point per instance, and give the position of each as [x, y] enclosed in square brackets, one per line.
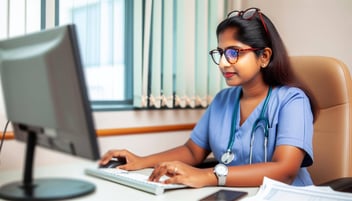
[47, 102]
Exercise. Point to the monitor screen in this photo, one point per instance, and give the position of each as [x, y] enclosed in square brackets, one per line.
[46, 98]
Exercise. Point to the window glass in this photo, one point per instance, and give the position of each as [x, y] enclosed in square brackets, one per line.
[100, 26]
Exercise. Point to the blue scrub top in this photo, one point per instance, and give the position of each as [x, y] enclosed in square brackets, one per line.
[290, 123]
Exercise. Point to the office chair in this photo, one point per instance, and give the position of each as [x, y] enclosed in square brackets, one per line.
[329, 80]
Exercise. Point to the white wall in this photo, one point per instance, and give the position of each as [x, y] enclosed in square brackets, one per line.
[311, 27]
[13, 152]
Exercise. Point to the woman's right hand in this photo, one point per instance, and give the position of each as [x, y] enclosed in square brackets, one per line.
[133, 162]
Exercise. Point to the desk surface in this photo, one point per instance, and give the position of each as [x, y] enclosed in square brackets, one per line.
[106, 190]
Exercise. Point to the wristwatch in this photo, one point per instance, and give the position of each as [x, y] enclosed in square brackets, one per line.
[221, 171]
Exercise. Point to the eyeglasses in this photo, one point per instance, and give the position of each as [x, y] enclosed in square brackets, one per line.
[248, 15]
[231, 54]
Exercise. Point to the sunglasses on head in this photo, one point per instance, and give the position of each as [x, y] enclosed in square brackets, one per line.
[248, 14]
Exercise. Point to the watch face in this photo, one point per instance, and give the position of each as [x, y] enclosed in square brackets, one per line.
[221, 169]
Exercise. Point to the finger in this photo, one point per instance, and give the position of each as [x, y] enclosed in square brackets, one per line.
[168, 169]
[127, 166]
[175, 172]
[172, 171]
[158, 172]
[177, 179]
[105, 158]
[123, 167]
[155, 175]
[109, 155]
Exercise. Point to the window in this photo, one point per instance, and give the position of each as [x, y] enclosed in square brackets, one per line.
[104, 45]
[171, 40]
[145, 53]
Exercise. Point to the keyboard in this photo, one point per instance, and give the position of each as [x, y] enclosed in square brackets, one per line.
[132, 179]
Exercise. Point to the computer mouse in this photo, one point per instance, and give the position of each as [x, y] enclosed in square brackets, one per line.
[113, 163]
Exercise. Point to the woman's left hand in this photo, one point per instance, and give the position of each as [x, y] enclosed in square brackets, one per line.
[181, 173]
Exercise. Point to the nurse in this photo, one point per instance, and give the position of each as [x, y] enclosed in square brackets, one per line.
[262, 125]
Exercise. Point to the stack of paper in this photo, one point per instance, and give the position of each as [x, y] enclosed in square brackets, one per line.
[276, 191]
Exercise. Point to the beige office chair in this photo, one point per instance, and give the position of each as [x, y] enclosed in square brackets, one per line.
[330, 82]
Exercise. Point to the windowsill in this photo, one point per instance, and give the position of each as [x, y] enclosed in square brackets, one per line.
[98, 107]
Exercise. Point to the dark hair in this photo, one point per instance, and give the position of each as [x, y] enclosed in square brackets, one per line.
[252, 32]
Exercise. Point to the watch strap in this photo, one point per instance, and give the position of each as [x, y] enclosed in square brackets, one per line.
[221, 180]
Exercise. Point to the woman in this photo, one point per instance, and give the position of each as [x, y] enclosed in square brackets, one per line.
[262, 125]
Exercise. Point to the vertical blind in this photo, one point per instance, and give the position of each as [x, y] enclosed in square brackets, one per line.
[171, 41]
[19, 17]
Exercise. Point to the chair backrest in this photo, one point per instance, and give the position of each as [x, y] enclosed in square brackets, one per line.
[329, 80]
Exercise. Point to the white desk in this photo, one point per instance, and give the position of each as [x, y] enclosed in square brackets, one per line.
[106, 190]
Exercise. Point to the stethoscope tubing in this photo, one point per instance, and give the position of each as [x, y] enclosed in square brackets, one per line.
[266, 135]
[254, 128]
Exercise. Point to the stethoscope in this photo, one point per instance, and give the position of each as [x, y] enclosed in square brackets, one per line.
[261, 122]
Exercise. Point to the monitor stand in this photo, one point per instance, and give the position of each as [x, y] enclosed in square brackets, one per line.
[42, 189]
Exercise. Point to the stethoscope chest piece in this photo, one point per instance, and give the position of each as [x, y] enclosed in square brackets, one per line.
[227, 157]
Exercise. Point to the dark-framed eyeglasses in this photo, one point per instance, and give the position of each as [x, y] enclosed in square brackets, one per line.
[231, 54]
[248, 14]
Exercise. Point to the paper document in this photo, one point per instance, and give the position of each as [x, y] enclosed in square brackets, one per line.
[277, 191]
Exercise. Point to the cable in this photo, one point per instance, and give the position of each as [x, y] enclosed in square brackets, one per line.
[3, 135]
